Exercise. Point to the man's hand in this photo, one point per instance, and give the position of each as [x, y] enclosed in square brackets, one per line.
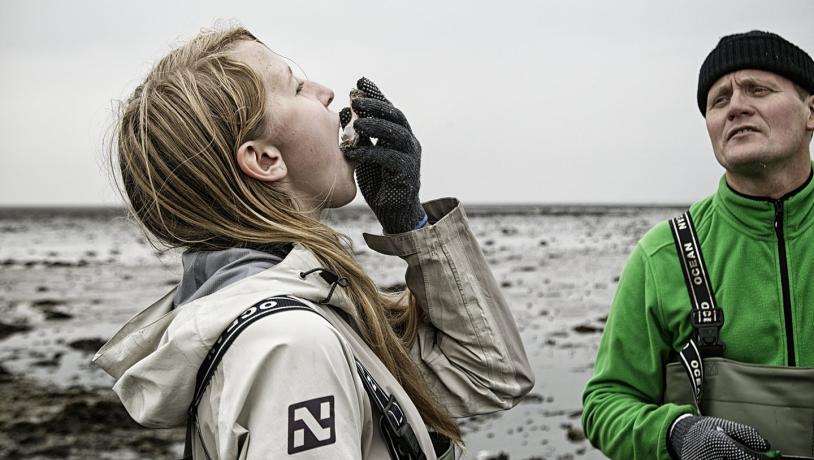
[388, 172]
[711, 438]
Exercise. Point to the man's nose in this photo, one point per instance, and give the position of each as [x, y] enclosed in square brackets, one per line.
[324, 94]
[739, 105]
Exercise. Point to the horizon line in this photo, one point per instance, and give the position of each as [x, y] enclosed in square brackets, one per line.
[355, 206]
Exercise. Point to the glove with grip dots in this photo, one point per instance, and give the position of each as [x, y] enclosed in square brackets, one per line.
[388, 172]
[712, 438]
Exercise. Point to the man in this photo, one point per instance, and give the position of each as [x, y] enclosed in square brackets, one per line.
[753, 393]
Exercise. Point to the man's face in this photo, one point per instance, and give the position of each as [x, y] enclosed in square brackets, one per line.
[757, 119]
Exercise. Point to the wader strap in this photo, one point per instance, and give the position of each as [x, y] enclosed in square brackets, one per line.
[706, 317]
[694, 366]
[401, 440]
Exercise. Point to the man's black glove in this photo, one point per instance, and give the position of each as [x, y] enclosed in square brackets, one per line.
[712, 438]
[387, 172]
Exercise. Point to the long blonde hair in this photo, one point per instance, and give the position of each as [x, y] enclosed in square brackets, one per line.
[176, 141]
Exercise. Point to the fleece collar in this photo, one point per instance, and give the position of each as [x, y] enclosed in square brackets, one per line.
[757, 215]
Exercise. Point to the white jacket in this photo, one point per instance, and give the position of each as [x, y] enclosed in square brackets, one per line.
[289, 381]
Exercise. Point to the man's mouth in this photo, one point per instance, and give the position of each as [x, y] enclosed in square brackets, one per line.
[743, 130]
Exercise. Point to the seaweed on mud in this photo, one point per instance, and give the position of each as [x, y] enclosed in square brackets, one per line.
[7, 329]
[573, 433]
[42, 421]
[88, 345]
[587, 329]
[45, 303]
[5, 375]
[56, 315]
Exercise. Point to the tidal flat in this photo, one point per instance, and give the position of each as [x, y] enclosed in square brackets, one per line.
[69, 278]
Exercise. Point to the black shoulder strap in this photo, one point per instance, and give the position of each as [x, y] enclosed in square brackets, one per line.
[401, 440]
[706, 317]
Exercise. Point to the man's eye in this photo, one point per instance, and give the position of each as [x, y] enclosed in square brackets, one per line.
[299, 87]
[760, 90]
[719, 101]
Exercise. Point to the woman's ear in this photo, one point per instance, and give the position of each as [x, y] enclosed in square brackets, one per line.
[261, 161]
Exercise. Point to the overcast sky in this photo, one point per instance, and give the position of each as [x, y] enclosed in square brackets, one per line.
[521, 102]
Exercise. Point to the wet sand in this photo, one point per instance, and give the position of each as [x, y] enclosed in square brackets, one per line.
[69, 279]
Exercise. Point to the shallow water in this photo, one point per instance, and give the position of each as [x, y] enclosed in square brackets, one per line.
[71, 278]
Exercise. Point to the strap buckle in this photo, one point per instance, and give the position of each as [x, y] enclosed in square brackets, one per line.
[707, 325]
[709, 342]
[705, 318]
[405, 437]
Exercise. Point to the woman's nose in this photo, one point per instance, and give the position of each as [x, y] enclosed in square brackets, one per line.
[324, 94]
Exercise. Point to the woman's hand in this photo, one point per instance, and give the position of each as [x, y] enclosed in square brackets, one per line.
[388, 172]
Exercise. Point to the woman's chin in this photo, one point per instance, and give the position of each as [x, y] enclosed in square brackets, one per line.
[342, 197]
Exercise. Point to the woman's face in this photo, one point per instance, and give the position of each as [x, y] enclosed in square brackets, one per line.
[303, 129]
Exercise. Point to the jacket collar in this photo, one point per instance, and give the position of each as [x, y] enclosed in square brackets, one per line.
[206, 272]
[155, 356]
[313, 287]
[757, 215]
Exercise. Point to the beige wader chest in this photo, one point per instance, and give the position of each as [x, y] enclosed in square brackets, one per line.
[778, 401]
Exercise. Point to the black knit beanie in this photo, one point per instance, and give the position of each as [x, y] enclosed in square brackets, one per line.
[755, 50]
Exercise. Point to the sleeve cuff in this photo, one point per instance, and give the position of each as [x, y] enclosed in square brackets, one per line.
[423, 222]
[442, 212]
[673, 425]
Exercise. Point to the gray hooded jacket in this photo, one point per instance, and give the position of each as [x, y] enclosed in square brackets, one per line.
[288, 384]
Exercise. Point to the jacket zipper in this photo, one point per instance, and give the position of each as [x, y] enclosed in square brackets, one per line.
[784, 281]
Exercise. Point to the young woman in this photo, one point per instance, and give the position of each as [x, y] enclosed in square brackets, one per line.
[222, 151]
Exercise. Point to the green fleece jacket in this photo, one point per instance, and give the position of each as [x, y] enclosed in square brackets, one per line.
[760, 255]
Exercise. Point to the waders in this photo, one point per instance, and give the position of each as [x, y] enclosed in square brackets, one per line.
[778, 401]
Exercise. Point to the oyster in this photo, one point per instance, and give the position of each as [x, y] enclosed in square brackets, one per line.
[349, 138]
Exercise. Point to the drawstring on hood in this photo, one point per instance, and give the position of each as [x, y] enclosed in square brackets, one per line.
[331, 278]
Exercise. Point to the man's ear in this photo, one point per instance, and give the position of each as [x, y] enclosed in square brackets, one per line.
[261, 161]
[810, 105]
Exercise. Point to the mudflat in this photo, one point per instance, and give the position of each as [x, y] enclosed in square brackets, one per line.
[70, 277]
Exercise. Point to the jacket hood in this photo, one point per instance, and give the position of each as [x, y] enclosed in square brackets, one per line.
[206, 272]
[155, 356]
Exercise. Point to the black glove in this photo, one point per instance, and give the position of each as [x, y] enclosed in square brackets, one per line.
[712, 438]
[388, 172]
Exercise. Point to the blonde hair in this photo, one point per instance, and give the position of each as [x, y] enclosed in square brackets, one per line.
[176, 141]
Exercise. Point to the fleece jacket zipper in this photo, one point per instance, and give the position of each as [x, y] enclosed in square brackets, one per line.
[784, 280]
